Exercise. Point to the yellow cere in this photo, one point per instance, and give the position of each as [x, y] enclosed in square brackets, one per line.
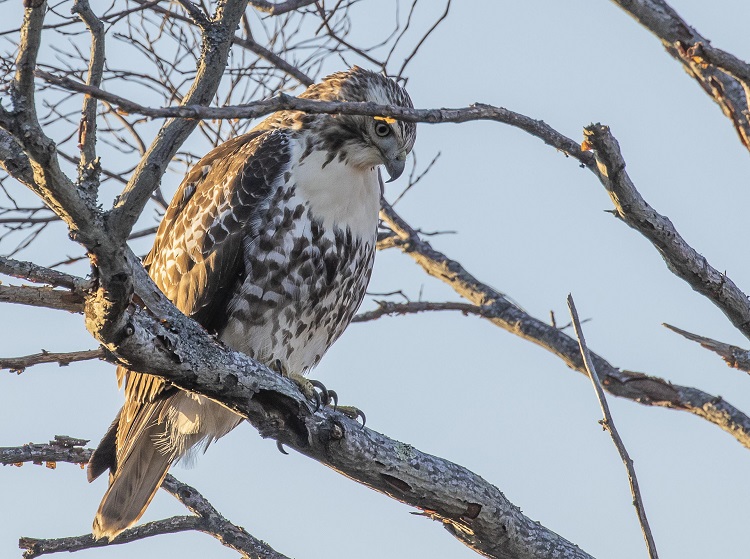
[386, 119]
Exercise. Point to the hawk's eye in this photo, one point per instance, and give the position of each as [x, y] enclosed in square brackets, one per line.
[382, 129]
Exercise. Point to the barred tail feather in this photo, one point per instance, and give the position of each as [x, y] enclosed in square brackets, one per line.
[133, 485]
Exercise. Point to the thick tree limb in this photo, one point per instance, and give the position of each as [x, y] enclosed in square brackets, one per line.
[608, 424]
[681, 259]
[736, 357]
[713, 72]
[19, 364]
[644, 389]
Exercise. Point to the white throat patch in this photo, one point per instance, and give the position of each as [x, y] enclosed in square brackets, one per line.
[340, 195]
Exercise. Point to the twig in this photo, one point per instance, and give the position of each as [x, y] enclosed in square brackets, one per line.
[736, 357]
[214, 524]
[608, 424]
[387, 308]
[39, 274]
[19, 364]
[46, 297]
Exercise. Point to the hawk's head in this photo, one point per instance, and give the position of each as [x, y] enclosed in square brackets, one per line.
[361, 141]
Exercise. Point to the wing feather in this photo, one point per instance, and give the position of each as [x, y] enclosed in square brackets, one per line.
[197, 259]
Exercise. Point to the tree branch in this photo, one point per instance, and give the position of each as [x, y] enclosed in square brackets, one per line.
[608, 424]
[735, 357]
[207, 519]
[283, 102]
[279, 8]
[387, 308]
[681, 259]
[47, 297]
[19, 364]
[638, 387]
[678, 37]
[216, 43]
[39, 274]
[89, 168]
[36, 547]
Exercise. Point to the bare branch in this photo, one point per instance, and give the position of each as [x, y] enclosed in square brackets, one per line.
[39, 274]
[46, 297]
[681, 259]
[207, 519]
[19, 364]
[638, 387]
[214, 524]
[48, 181]
[608, 424]
[278, 8]
[89, 168]
[388, 308]
[735, 357]
[281, 102]
[148, 174]
[36, 547]
[61, 449]
[678, 37]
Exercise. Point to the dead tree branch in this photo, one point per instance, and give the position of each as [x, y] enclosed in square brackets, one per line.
[206, 518]
[736, 357]
[723, 77]
[638, 387]
[608, 424]
[20, 364]
[681, 259]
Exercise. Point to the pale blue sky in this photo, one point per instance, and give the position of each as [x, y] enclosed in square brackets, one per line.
[530, 223]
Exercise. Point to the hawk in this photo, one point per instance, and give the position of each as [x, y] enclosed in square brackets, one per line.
[269, 242]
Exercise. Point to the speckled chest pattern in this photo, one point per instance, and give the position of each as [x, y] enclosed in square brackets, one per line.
[303, 284]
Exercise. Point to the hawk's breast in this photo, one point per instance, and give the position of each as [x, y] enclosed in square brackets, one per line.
[308, 263]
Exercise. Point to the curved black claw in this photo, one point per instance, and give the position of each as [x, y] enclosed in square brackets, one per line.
[334, 398]
[353, 413]
[324, 397]
[280, 446]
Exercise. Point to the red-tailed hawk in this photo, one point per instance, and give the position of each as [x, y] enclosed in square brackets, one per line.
[269, 242]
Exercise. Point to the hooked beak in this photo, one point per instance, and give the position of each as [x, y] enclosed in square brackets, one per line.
[395, 165]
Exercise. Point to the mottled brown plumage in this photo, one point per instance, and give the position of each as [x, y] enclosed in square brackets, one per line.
[269, 243]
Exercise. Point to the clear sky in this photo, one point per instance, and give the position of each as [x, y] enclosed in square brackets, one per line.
[532, 224]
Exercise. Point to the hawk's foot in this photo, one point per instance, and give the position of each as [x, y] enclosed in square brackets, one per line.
[316, 391]
[352, 413]
[312, 390]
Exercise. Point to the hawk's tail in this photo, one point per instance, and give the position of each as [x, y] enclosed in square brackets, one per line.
[132, 485]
